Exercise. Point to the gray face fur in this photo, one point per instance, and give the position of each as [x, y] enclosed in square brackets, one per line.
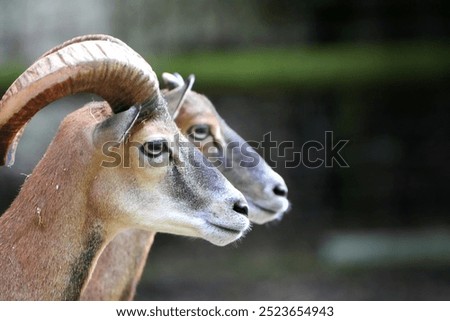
[264, 189]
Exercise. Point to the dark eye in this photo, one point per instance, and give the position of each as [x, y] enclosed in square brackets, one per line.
[154, 148]
[199, 132]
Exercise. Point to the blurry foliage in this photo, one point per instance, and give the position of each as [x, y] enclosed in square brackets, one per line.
[317, 67]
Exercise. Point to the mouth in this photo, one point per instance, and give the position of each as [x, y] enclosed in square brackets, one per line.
[226, 229]
[268, 210]
[262, 215]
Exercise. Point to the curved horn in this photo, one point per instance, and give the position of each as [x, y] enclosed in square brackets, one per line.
[172, 81]
[103, 67]
[84, 38]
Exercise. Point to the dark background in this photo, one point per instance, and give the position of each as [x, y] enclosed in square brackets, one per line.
[375, 73]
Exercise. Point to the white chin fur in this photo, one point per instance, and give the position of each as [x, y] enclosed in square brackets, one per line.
[219, 231]
[224, 233]
[260, 216]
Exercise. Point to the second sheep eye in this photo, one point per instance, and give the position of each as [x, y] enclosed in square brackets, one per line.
[199, 132]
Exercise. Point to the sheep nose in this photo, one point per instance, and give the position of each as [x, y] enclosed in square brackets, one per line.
[280, 190]
[241, 207]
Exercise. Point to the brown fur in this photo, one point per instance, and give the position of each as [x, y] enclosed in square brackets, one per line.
[120, 267]
[31, 269]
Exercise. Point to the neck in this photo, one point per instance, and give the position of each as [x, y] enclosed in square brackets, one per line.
[120, 266]
[49, 238]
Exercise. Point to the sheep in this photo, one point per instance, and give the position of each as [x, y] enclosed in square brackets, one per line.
[74, 202]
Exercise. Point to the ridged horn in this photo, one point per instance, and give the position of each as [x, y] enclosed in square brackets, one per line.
[84, 38]
[172, 81]
[105, 67]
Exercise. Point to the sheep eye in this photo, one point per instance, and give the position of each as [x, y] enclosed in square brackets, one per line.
[154, 148]
[199, 132]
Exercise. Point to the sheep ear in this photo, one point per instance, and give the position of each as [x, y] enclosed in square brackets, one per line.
[175, 97]
[115, 128]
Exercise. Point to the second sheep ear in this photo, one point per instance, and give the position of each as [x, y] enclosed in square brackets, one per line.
[176, 96]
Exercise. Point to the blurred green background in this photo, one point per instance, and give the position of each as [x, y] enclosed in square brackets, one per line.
[374, 72]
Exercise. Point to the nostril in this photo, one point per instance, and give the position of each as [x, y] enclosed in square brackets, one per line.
[280, 190]
[241, 207]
